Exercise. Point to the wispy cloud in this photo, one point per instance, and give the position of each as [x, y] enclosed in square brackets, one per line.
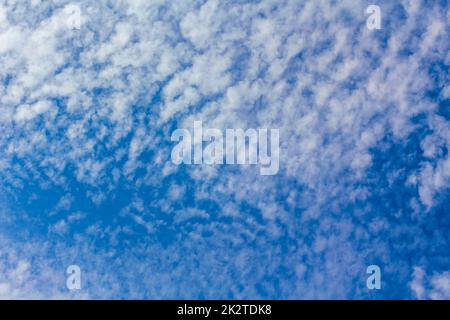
[86, 117]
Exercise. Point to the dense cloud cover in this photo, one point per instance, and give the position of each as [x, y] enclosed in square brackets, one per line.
[86, 176]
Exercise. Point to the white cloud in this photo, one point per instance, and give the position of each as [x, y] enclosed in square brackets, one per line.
[435, 286]
[97, 104]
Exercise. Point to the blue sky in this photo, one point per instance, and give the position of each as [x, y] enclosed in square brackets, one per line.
[86, 176]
